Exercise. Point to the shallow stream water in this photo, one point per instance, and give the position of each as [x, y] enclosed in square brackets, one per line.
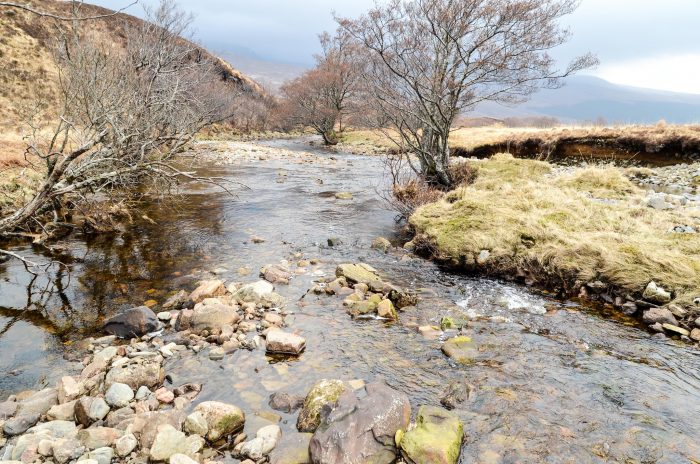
[553, 382]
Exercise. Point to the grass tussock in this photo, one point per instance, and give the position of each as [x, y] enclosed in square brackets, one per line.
[562, 229]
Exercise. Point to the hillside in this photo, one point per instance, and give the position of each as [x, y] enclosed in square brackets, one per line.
[27, 70]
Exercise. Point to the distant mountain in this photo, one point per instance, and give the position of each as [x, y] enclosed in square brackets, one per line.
[582, 99]
[269, 74]
[588, 98]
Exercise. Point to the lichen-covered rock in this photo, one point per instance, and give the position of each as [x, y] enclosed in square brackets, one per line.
[324, 392]
[462, 349]
[222, 419]
[361, 428]
[358, 273]
[386, 309]
[382, 244]
[435, 439]
[656, 294]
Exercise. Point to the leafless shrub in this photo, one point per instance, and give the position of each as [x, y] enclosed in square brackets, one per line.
[323, 97]
[125, 116]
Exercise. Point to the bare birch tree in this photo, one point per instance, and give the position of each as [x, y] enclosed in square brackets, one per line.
[322, 97]
[125, 115]
[428, 61]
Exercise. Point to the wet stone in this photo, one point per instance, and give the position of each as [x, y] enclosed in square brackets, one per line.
[285, 402]
[133, 322]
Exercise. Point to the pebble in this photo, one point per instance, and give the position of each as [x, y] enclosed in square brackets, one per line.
[216, 354]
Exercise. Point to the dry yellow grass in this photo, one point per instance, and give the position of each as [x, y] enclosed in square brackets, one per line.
[562, 229]
[567, 140]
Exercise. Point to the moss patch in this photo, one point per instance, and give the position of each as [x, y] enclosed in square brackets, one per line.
[563, 229]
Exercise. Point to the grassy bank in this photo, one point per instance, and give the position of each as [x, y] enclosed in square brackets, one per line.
[562, 229]
[644, 143]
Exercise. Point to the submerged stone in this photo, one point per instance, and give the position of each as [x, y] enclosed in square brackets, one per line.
[357, 273]
[462, 349]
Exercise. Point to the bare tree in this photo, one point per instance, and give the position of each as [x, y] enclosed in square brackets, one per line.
[320, 98]
[125, 115]
[428, 61]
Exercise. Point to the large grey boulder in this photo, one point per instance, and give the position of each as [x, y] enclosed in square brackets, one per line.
[361, 429]
[134, 322]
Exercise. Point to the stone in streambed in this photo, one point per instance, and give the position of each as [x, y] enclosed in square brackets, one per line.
[208, 289]
[280, 342]
[361, 428]
[20, 424]
[435, 439]
[98, 437]
[136, 373]
[222, 419]
[276, 274]
[323, 393]
[264, 442]
[134, 322]
[119, 395]
[382, 244]
[386, 310]
[462, 349]
[212, 314]
[285, 402]
[357, 273]
[170, 441]
[292, 449]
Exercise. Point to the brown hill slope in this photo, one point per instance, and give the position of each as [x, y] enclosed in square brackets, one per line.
[28, 75]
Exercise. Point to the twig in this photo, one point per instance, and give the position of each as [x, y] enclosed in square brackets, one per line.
[45, 14]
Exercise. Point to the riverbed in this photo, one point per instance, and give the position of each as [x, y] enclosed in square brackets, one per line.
[553, 381]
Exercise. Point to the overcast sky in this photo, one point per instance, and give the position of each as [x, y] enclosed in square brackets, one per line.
[644, 43]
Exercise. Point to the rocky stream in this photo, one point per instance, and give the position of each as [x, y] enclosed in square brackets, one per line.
[288, 325]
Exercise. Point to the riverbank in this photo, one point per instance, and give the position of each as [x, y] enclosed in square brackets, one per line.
[587, 231]
[657, 145]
